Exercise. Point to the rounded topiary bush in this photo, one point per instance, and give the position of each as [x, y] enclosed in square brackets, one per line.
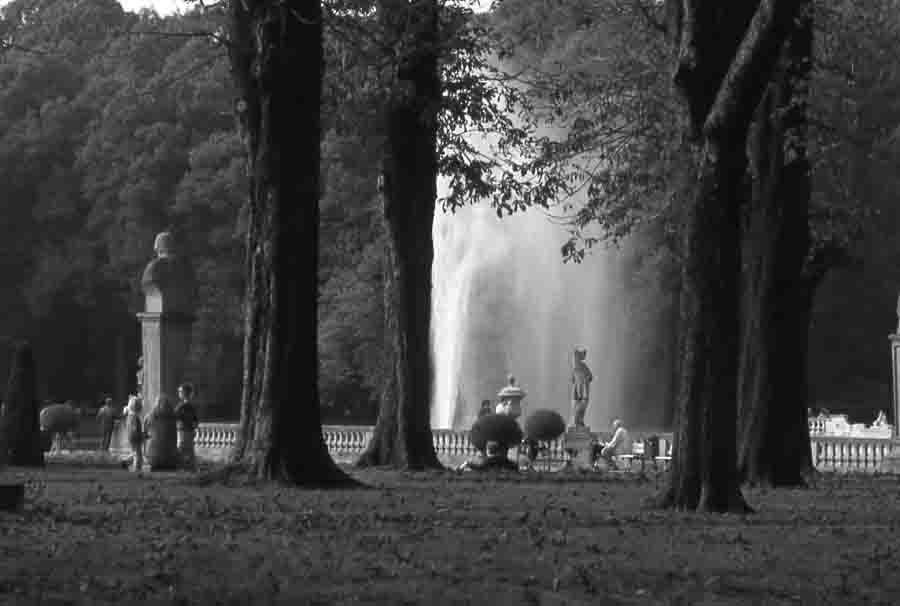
[502, 429]
[59, 418]
[544, 425]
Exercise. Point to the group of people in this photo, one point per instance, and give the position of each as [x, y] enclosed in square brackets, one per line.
[139, 428]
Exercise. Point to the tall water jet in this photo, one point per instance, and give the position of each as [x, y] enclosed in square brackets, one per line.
[505, 303]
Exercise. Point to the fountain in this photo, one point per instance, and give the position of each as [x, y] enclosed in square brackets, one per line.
[505, 303]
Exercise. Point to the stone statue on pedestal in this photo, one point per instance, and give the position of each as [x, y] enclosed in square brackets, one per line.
[581, 386]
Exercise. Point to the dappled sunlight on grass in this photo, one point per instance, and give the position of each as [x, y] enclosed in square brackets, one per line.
[93, 535]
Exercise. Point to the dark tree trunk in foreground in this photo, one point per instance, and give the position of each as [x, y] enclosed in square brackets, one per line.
[672, 337]
[704, 462]
[774, 447]
[20, 440]
[402, 436]
[277, 62]
[726, 55]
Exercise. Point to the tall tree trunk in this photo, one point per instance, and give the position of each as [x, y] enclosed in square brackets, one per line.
[20, 439]
[774, 447]
[277, 61]
[402, 435]
[726, 55]
[672, 357]
[704, 458]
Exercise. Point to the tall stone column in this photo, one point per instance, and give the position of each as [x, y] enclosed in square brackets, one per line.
[168, 285]
[895, 384]
[891, 463]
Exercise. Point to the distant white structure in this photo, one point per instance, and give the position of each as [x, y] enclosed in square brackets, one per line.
[838, 425]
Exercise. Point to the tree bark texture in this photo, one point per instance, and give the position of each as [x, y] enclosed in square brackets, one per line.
[277, 61]
[704, 459]
[774, 446]
[20, 439]
[726, 55]
[402, 435]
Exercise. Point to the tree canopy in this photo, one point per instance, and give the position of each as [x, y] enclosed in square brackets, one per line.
[114, 126]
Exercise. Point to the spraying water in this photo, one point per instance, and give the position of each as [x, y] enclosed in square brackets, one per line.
[505, 303]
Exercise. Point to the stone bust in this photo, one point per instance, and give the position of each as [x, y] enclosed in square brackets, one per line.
[164, 245]
[168, 280]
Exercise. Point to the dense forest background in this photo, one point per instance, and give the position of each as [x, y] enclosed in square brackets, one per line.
[115, 126]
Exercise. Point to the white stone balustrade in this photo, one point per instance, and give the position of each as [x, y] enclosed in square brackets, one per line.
[214, 442]
[346, 439]
[816, 426]
[848, 454]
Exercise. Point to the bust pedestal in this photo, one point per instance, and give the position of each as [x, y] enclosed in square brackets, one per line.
[577, 442]
[166, 342]
[168, 283]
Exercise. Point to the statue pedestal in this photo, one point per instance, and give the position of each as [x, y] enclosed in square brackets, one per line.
[168, 283]
[891, 462]
[577, 442]
[166, 341]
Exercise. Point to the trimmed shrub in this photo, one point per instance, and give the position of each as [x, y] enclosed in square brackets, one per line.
[59, 418]
[544, 425]
[502, 429]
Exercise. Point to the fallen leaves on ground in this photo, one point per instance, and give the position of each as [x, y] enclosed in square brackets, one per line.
[96, 534]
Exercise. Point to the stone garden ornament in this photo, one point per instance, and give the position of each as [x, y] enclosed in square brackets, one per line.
[581, 386]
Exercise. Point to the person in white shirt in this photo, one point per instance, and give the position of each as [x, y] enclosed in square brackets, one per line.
[620, 443]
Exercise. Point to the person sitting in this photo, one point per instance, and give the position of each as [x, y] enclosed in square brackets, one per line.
[620, 444]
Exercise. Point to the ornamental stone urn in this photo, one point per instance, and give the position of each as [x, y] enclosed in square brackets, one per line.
[510, 399]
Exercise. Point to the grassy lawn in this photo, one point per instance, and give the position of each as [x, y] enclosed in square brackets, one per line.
[95, 534]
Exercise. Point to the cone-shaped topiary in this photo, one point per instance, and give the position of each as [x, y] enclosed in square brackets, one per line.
[544, 425]
[21, 444]
[502, 429]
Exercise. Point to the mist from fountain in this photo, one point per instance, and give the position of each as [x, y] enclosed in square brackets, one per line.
[505, 303]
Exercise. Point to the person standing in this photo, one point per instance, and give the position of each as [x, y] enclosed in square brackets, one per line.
[186, 419]
[134, 426]
[106, 418]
